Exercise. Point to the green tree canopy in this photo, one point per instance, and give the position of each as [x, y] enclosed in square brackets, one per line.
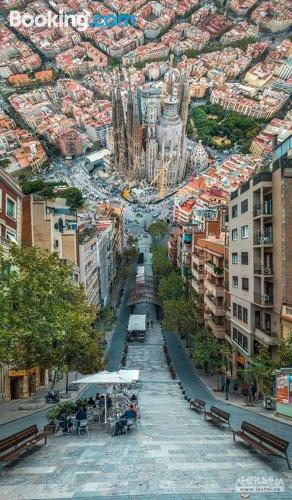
[45, 319]
[171, 287]
[73, 197]
[158, 230]
[180, 316]
[160, 262]
[285, 352]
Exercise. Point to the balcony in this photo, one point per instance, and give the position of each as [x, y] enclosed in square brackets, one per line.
[217, 310]
[198, 286]
[197, 273]
[265, 336]
[217, 330]
[215, 290]
[212, 269]
[263, 300]
[266, 209]
[198, 259]
[263, 240]
[263, 270]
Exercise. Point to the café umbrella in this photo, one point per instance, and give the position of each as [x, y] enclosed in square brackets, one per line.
[105, 379]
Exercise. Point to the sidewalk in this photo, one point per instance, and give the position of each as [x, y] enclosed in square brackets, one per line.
[211, 383]
[10, 411]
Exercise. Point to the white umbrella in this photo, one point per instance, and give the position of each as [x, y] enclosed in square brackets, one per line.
[104, 378]
[130, 375]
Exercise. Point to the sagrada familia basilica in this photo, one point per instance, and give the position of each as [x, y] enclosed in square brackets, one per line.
[149, 135]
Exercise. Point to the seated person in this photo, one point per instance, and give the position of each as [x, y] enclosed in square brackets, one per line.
[129, 414]
[109, 402]
[81, 414]
[101, 400]
[91, 402]
[125, 398]
[65, 422]
[134, 398]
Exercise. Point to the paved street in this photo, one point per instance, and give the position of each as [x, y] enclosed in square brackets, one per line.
[176, 454]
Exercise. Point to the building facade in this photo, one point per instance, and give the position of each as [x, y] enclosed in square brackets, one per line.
[260, 257]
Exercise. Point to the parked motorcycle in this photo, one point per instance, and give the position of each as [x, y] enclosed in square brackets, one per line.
[53, 397]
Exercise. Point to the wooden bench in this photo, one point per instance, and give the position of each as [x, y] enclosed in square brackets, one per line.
[262, 441]
[218, 416]
[13, 446]
[198, 405]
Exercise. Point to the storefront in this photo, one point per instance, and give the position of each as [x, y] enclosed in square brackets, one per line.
[21, 384]
[284, 392]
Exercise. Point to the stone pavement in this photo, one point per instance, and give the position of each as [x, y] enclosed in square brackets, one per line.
[176, 454]
[235, 398]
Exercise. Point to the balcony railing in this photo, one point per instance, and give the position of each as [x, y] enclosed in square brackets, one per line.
[265, 336]
[265, 270]
[263, 240]
[265, 209]
[263, 300]
[212, 269]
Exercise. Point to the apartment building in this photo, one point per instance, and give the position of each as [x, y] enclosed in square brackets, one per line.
[14, 383]
[88, 264]
[208, 253]
[10, 211]
[51, 225]
[260, 262]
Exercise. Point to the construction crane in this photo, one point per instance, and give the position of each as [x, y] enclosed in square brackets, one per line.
[161, 177]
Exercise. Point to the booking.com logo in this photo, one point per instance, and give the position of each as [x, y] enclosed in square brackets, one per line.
[80, 21]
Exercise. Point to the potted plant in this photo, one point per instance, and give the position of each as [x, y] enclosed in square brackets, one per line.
[52, 415]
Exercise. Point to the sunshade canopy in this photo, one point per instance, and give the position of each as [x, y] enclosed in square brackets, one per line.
[137, 323]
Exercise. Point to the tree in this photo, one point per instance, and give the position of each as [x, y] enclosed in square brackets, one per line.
[262, 368]
[170, 287]
[285, 352]
[130, 255]
[180, 316]
[73, 197]
[158, 230]
[160, 262]
[45, 318]
[207, 351]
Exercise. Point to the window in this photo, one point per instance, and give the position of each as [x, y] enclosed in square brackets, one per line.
[0, 200]
[234, 234]
[235, 280]
[240, 339]
[234, 309]
[244, 315]
[239, 312]
[244, 206]
[234, 211]
[244, 283]
[235, 258]
[10, 208]
[244, 258]
[244, 231]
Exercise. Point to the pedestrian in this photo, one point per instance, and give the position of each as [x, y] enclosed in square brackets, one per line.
[222, 382]
[227, 385]
[254, 390]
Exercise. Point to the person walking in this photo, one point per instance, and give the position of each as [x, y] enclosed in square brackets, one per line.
[227, 385]
[222, 382]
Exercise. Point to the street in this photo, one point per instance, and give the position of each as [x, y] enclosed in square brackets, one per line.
[174, 455]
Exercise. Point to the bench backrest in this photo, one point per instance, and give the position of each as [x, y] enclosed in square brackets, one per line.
[220, 413]
[266, 437]
[18, 437]
[200, 403]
